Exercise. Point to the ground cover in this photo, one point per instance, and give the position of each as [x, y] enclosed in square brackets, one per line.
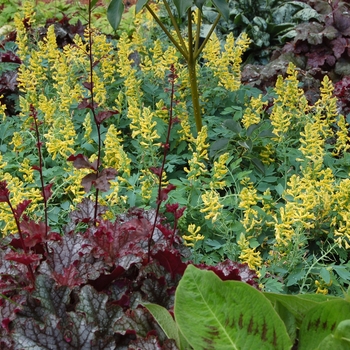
[112, 198]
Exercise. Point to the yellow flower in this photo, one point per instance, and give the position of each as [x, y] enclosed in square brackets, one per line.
[219, 171]
[115, 155]
[322, 287]
[2, 108]
[27, 170]
[196, 163]
[193, 236]
[252, 114]
[226, 64]
[88, 128]
[249, 255]
[212, 205]
[17, 142]
[61, 138]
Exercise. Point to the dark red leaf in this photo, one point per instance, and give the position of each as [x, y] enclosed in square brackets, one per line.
[88, 85]
[156, 171]
[69, 277]
[171, 261]
[35, 167]
[4, 192]
[102, 181]
[47, 191]
[82, 162]
[88, 180]
[101, 116]
[21, 207]
[86, 103]
[163, 195]
[231, 270]
[23, 258]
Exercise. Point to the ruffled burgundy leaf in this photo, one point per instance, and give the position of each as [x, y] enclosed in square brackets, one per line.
[69, 277]
[84, 213]
[231, 270]
[102, 180]
[47, 191]
[103, 115]
[88, 180]
[4, 192]
[80, 161]
[23, 258]
[86, 103]
[21, 207]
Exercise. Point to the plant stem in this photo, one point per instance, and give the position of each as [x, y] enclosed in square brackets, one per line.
[34, 115]
[181, 49]
[198, 52]
[193, 76]
[166, 146]
[99, 142]
[25, 248]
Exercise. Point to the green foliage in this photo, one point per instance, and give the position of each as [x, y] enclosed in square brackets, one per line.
[267, 23]
[251, 319]
[207, 321]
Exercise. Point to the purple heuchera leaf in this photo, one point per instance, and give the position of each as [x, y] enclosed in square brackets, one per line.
[23, 258]
[82, 162]
[21, 207]
[103, 115]
[231, 270]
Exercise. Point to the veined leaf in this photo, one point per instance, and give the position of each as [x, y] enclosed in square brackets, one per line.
[165, 321]
[322, 321]
[216, 314]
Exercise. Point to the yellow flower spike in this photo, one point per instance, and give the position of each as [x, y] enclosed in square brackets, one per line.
[193, 236]
[196, 163]
[27, 170]
[226, 64]
[212, 205]
[249, 255]
[2, 109]
[115, 156]
[252, 115]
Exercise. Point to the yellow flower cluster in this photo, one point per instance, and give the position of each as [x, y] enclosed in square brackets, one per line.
[219, 171]
[248, 199]
[289, 106]
[212, 205]
[159, 61]
[146, 129]
[266, 153]
[17, 142]
[28, 172]
[197, 166]
[2, 162]
[309, 202]
[60, 138]
[252, 114]
[115, 155]
[194, 235]
[2, 109]
[312, 145]
[249, 255]
[18, 192]
[322, 287]
[226, 65]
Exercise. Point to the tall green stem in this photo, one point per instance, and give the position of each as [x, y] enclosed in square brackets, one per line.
[191, 62]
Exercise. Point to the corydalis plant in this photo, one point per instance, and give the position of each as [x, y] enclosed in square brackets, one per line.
[99, 177]
[190, 45]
